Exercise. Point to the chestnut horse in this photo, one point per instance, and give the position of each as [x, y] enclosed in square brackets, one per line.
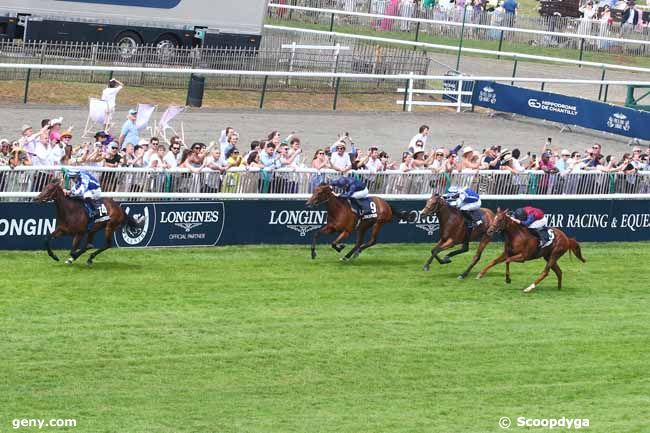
[341, 219]
[453, 232]
[521, 245]
[72, 220]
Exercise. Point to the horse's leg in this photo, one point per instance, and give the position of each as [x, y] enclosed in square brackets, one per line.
[361, 236]
[324, 231]
[479, 252]
[76, 240]
[463, 249]
[336, 243]
[373, 237]
[558, 274]
[108, 235]
[552, 261]
[434, 252]
[48, 242]
[493, 263]
[508, 279]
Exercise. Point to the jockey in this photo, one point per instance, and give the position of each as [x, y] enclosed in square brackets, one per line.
[468, 202]
[353, 189]
[535, 220]
[86, 188]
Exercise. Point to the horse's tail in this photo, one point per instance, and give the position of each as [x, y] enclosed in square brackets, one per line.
[574, 247]
[403, 214]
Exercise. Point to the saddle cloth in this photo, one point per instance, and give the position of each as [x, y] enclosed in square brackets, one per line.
[551, 238]
[369, 208]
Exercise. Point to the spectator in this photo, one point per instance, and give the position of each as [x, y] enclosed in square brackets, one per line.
[636, 161]
[149, 148]
[67, 158]
[469, 162]
[5, 151]
[109, 94]
[546, 164]
[372, 162]
[173, 157]
[113, 158]
[438, 163]
[274, 137]
[254, 160]
[340, 160]
[491, 159]
[294, 143]
[55, 129]
[418, 147]
[451, 164]
[216, 167]
[157, 159]
[231, 143]
[269, 157]
[407, 162]
[194, 159]
[19, 156]
[563, 163]
[285, 159]
[420, 160]
[631, 17]
[422, 135]
[510, 7]
[255, 147]
[129, 132]
[224, 136]
[320, 160]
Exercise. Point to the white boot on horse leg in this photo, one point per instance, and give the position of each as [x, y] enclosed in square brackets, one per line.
[69, 261]
[530, 288]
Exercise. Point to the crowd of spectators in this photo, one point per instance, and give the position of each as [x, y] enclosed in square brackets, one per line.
[54, 145]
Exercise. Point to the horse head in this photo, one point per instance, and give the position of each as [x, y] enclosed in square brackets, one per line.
[499, 223]
[321, 194]
[432, 205]
[50, 192]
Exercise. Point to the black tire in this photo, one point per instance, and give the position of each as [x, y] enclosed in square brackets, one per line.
[165, 45]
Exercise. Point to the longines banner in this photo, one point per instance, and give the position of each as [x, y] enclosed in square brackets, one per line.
[24, 226]
[563, 109]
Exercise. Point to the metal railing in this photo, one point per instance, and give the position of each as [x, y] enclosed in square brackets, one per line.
[445, 23]
[28, 181]
[361, 57]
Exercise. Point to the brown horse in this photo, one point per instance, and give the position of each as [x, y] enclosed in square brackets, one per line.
[341, 219]
[72, 220]
[521, 245]
[453, 232]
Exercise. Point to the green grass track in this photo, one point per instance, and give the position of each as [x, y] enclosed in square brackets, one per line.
[263, 339]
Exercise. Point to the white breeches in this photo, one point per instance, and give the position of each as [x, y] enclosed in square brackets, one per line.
[94, 194]
[539, 223]
[360, 194]
[471, 206]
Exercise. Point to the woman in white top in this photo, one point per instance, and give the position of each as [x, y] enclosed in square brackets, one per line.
[110, 93]
[320, 160]
[407, 162]
[588, 13]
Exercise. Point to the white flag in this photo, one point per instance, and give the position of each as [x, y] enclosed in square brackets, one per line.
[144, 114]
[171, 112]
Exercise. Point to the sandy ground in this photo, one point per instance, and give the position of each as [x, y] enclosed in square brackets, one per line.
[389, 131]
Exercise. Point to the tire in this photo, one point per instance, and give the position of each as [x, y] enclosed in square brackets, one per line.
[165, 46]
[127, 43]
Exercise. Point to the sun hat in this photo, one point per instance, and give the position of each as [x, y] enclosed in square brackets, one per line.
[467, 149]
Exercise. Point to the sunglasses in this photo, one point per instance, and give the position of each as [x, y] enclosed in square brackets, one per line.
[196, 148]
[340, 148]
[236, 152]
[321, 153]
[176, 148]
[440, 154]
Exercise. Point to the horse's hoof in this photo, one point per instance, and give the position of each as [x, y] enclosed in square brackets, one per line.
[529, 288]
[69, 261]
[445, 260]
[344, 259]
[55, 258]
[89, 263]
[462, 276]
[425, 268]
[508, 280]
[479, 276]
[313, 255]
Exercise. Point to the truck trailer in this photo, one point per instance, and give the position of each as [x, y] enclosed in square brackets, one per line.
[128, 23]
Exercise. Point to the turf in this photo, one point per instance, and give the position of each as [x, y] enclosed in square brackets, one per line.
[263, 339]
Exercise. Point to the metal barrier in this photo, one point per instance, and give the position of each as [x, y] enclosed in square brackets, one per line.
[28, 181]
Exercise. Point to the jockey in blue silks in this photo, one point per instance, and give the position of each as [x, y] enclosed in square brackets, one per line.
[468, 202]
[87, 188]
[353, 189]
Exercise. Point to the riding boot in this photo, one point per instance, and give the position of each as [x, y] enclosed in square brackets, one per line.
[543, 236]
[477, 218]
[92, 209]
[359, 207]
[468, 234]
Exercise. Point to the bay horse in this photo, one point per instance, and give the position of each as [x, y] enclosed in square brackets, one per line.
[72, 220]
[453, 232]
[521, 245]
[341, 219]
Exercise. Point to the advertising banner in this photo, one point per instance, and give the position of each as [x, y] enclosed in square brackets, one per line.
[24, 226]
[563, 109]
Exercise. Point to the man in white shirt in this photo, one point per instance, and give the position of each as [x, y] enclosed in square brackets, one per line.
[340, 160]
[422, 135]
[374, 163]
[173, 157]
[44, 154]
[110, 93]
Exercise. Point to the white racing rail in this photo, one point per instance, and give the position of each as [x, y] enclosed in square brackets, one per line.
[27, 182]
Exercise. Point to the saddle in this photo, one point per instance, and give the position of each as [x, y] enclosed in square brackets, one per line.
[368, 208]
[98, 214]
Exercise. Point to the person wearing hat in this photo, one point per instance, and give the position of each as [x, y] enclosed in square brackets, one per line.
[354, 189]
[86, 188]
[468, 163]
[468, 202]
[129, 132]
[535, 220]
[563, 163]
[340, 160]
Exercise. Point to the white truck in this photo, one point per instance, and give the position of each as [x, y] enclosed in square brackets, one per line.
[165, 23]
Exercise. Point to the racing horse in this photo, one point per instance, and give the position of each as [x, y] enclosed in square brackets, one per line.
[452, 232]
[72, 220]
[342, 220]
[521, 245]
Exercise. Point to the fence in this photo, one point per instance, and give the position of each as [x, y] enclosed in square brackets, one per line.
[445, 23]
[272, 57]
[28, 181]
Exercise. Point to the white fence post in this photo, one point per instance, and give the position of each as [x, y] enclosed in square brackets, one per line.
[460, 95]
[409, 102]
[293, 55]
